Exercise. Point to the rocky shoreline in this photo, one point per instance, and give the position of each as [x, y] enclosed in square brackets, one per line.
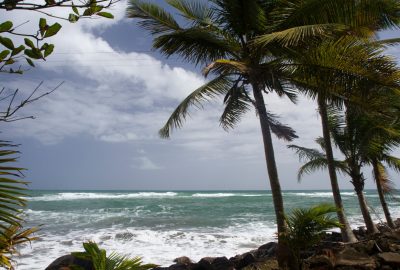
[379, 251]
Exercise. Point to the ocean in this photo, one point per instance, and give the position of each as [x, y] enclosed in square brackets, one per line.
[160, 226]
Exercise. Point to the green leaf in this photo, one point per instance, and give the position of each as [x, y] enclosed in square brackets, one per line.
[49, 49]
[50, 2]
[30, 62]
[6, 42]
[92, 10]
[4, 54]
[10, 61]
[6, 26]
[29, 43]
[18, 50]
[74, 9]
[73, 18]
[52, 30]
[106, 15]
[35, 54]
[42, 26]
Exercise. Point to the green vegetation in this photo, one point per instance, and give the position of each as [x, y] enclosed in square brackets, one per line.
[12, 200]
[33, 48]
[306, 227]
[113, 261]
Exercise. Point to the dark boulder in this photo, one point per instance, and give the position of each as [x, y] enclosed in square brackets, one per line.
[214, 263]
[64, 262]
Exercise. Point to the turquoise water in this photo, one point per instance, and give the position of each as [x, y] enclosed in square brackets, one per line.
[160, 225]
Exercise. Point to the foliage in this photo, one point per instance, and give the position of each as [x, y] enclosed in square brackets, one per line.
[307, 226]
[34, 48]
[114, 261]
[10, 238]
[12, 200]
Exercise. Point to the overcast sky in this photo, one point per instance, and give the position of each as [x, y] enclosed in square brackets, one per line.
[99, 130]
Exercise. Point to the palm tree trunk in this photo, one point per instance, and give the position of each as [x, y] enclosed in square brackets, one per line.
[358, 183]
[385, 207]
[347, 233]
[284, 253]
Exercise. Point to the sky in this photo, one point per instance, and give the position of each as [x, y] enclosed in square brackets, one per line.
[99, 130]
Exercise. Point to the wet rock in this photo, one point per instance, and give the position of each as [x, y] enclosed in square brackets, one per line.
[215, 263]
[64, 262]
[124, 236]
[391, 258]
[183, 260]
[243, 260]
[266, 251]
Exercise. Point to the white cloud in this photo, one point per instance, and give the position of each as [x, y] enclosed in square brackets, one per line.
[117, 96]
[144, 163]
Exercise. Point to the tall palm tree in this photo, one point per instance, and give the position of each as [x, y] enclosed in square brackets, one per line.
[360, 19]
[219, 33]
[357, 137]
[379, 154]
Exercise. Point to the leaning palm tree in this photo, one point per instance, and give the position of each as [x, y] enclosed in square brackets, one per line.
[223, 34]
[379, 151]
[356, 136]
[360, 19]
[220, 33]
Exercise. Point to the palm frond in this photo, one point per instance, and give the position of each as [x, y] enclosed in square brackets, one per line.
[387, 185]
[114, 261]
[198, 12]
[306, 154]
[236, 105]
[215, 87]
[153, 18]
[299, 35]
[392, 162]
[225, 67]
[280, 130]
[195, 45]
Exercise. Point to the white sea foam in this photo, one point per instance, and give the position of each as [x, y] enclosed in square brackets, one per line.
[159, 247]
[317, 194]
[66, 196]
[218, 195]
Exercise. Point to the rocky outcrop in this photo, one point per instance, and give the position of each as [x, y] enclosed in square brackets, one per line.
[64, 263]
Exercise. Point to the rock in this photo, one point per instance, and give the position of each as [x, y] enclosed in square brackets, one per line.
[321, 262]
[351, 257]
[241, 261]
[390, 258]
[215, 263]
[368, 247]
[64, 262]
[124, 236]
[266, 251]
[183, 260]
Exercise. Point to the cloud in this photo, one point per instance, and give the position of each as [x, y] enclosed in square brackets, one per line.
[144, 163]
[126, 96]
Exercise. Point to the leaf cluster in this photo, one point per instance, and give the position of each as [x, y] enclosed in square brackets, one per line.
[113, 261]
[34, 47]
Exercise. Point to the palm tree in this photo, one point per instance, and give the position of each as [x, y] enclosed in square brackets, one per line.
[360, 19]
[12, 201]
[357, 137]
[221, 32]
[248, 44]
[381, 147]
